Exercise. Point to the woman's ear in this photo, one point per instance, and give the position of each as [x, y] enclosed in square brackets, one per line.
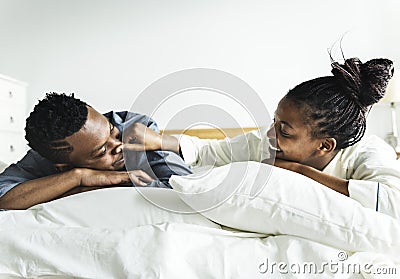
[63, 167]
[328, 145]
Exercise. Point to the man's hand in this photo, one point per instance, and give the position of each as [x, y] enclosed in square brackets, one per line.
[93, 178]
[138, 137]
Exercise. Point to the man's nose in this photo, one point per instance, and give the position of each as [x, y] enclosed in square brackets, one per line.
[116, 146]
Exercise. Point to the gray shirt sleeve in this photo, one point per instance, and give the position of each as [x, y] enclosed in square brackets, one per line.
[30, 167]
[161, 165]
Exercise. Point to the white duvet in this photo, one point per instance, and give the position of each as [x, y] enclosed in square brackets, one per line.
[116, 233]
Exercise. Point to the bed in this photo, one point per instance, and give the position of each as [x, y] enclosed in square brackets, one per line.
[125, 232]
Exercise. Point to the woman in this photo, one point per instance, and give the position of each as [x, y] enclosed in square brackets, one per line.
[317, 131]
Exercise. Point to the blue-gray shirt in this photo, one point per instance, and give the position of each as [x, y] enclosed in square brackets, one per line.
[158, 164]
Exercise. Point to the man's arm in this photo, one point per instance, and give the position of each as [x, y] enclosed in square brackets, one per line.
[39, 190]
[48, 188]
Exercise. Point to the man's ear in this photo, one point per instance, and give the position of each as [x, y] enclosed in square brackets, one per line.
[63, 167]
[327, 145]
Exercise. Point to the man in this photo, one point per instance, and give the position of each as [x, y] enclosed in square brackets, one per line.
[75, 149]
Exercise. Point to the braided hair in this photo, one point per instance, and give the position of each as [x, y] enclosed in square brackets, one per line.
[337, 106]
[53, 119]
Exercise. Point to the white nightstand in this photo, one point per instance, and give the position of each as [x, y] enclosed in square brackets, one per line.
[12, 119]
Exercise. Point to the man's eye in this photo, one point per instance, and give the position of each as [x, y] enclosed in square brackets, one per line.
[114, 130]
[103, 152]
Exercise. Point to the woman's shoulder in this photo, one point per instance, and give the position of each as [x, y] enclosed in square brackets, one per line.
[375, 142]
[371, 146]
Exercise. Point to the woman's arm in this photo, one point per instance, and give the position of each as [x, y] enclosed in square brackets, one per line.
[197, 152]
[366, 172]
[338, 184]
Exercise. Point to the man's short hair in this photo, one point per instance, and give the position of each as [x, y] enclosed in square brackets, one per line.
[53, 119]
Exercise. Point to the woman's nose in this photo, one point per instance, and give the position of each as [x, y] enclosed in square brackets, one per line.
[271, 131]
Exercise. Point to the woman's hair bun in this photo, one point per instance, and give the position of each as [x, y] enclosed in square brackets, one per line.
[375, 74]
[366, 82]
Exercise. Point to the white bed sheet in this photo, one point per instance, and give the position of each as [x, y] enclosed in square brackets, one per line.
[61, 239]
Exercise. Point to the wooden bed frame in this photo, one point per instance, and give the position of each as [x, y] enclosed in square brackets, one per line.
[217, 133]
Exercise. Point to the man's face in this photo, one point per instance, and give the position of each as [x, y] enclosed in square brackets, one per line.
[97, 145]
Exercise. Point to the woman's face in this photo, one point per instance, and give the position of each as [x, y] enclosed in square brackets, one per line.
[291, 140]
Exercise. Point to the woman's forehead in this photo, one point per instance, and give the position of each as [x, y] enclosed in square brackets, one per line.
[297, 115]
[290, 112]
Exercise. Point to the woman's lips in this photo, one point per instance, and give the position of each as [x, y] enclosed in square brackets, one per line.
[275, 148]
[272, 146]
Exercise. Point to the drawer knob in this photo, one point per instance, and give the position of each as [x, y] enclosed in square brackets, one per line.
[12, 148]
[10, 94]
[11, 119]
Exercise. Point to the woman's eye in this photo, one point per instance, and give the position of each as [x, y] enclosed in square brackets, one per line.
[283, 133]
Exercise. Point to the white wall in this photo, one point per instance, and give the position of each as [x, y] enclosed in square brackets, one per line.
[109, 51]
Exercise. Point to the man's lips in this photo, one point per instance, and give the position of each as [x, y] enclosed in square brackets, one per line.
[119, 161]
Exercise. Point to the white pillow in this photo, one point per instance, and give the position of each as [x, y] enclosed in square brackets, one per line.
[3, 166]
[286, 203]
[120, 207]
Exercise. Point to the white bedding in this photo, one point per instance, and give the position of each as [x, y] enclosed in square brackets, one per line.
[116, 233]
[287, 203]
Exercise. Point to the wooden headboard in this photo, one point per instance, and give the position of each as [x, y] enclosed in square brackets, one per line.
[217, 133]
